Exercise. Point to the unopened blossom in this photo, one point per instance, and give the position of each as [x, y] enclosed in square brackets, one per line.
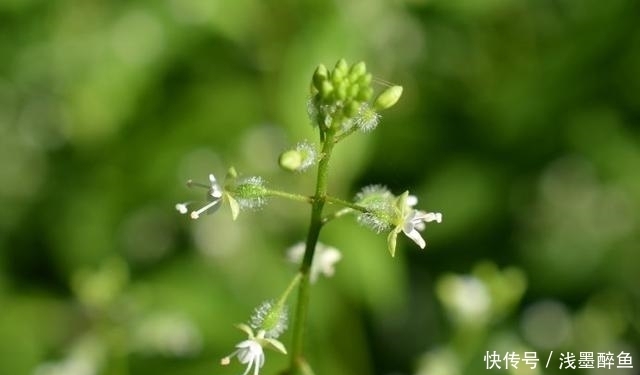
[250, 351]
[324, 259]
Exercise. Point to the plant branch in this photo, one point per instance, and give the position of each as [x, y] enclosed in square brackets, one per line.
[315, 226]
[292, 196]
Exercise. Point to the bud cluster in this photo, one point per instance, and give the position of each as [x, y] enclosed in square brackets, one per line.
[341, 97]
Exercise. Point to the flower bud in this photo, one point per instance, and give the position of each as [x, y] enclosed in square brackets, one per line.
[326, 89]
[357, 70]
[352, 109]
[365, 80]
[353, 90]
[319, 76]
[341, 91]
[342, 67]
[300, 158]
[388, 98]
[290, 160]
[365, 93]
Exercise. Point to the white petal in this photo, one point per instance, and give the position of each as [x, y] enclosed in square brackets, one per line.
[246, 371]
[409, 224]
[417, 238]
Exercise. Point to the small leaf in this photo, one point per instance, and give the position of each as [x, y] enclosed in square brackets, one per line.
[391, 242]
[233, 204]
[276, 345]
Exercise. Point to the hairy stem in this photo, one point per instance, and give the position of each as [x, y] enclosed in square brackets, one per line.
[315, 225]
[295, 197]
[346, 204]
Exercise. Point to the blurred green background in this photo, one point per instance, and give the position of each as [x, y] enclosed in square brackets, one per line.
[519, 122]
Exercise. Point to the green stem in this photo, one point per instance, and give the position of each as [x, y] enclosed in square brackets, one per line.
[295, 197]
[347, 204]
[285, 294]
[336, 215]
[345, 134]
[312, 239]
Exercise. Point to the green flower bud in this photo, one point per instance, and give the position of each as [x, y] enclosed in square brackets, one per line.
[388, 98]
[300, 158]
[342, 67]
[337, 77]
[365, 94]
[365, 80]
[357, 70]
[320, 76]
[290, 160]
[341, 91]
[352, 109]
[326, 89]
[353, 91]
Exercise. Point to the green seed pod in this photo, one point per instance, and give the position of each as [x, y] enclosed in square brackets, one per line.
[388, 98]
[319, 76]
[250, 188]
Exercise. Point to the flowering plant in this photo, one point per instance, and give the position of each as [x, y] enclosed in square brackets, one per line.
[341, 103]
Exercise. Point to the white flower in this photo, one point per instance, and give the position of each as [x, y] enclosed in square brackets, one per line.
[410, 221]
[214, 198]
[324, 259]
[250, 351]
[414, 224]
